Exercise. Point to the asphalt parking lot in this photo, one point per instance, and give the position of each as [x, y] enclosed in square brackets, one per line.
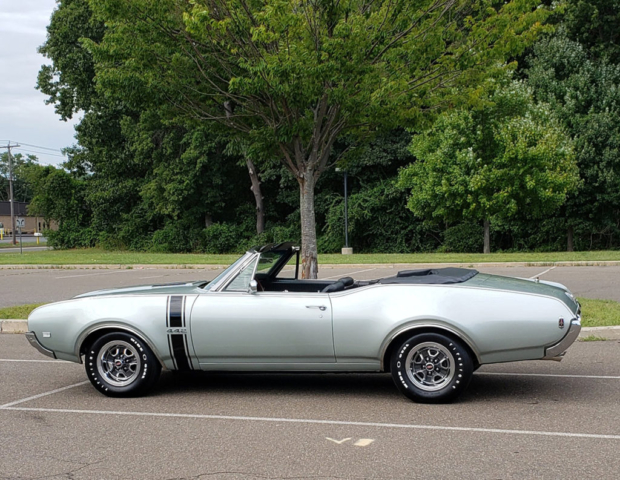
[521, 420]
[23, 286]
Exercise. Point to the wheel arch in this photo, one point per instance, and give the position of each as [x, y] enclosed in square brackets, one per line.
[406, 332]
[88, 336]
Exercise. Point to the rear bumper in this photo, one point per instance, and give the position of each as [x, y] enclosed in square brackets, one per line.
[557, 351]
[32, 338]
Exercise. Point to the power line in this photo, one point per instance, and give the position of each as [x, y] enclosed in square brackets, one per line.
[44, 148]
[41, 153]
[36, 146]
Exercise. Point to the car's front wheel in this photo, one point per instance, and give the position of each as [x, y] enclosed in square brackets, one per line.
[431, 368]
[119, 364]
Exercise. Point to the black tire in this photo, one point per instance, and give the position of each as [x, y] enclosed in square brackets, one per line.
[431, 368]
[120, 364]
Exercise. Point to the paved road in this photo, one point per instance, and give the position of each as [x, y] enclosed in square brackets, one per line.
[21, 286]
[521, 420]
[25, 238]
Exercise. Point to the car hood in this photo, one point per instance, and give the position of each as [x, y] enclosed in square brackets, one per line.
[525, 285]
[179, 288]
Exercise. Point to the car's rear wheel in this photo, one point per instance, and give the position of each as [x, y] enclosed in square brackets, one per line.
[431, 368]
[119, 364]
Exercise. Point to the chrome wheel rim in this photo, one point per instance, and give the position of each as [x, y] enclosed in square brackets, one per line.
[118, 363]
[430, 366]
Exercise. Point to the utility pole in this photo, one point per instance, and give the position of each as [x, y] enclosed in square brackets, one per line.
[11, 199]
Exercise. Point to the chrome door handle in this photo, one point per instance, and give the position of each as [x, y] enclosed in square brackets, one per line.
[320, 307]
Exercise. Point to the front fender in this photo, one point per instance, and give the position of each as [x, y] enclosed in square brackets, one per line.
[67, 324]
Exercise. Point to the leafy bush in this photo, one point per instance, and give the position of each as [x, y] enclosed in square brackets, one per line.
[222, 238]
[378, 222]
[70, 235]
[463, 238]
[176, 237]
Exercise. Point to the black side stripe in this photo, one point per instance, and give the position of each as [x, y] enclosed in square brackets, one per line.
[177, 342]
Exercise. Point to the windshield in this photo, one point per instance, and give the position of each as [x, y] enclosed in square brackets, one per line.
[216, 280]
[269, 261]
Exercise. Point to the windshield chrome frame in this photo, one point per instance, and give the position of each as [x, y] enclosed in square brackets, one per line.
[217, 287]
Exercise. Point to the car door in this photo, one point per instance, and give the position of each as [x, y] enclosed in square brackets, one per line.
[236, 329]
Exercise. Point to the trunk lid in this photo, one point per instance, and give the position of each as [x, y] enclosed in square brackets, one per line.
[523, 285]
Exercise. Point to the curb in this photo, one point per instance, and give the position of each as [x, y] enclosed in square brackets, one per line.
[13, 326]
[607, 333]
[205, 266]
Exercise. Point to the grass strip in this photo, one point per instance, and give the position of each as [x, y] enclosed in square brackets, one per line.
[592, 338]
[18, 312]
[95, 256]
[599, 313]
[594, 313]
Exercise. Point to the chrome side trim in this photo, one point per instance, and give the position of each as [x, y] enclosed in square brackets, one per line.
[32, 338]
[555, 352]
[459, 335]
[116, 326]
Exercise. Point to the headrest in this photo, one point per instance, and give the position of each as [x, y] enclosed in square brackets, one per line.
[334, 287]
[347, 281]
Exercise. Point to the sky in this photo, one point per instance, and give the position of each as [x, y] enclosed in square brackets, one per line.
[24, 116]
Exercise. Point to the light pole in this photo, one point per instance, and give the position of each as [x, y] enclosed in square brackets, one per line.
[346, 250]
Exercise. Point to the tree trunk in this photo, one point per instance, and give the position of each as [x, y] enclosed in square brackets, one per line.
[487, 237]
[309, 260]
[258, 196]
[569, 239]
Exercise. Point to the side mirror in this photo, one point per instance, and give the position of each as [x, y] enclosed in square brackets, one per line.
[253, 288]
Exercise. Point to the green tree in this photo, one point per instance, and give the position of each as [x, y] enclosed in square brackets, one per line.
[294, 76]
[506, 159]
[69, 80]
[595, 24]
[583, 93]
[22, 191]
[59, 196]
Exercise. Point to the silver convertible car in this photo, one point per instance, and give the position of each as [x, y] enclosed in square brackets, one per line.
[430, 328]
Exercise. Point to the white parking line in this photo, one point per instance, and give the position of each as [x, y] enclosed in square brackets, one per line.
[34, 397]
[349, 273]
[312, 421]
[609, 377]
[32, 361]
[94, 274]
[542, 273]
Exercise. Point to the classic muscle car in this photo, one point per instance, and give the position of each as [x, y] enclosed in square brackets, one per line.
[430, 328]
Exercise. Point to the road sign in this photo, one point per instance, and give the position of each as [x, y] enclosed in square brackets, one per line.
[20, 222]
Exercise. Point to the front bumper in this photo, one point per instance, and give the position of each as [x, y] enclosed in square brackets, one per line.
[557, 351]
[32, 338]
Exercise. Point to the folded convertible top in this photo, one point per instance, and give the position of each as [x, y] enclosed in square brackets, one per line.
[431, 276]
